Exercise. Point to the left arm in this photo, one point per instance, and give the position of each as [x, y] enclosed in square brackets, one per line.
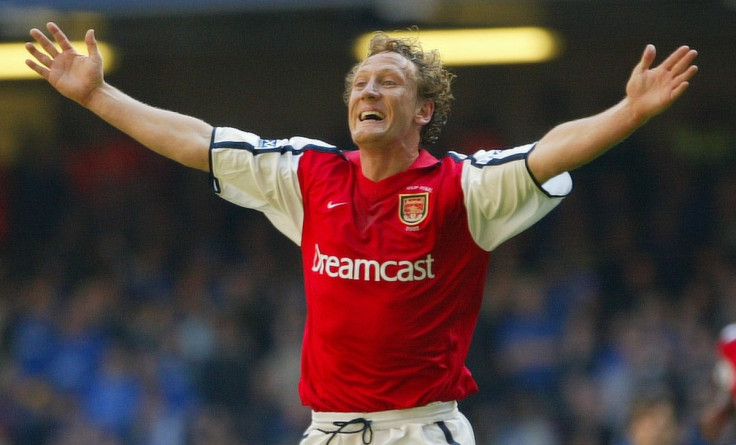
[649, 92]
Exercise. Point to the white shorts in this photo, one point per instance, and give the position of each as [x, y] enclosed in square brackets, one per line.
[438, 423]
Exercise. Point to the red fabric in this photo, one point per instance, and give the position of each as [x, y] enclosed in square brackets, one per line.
[727, 351]
[397, 335]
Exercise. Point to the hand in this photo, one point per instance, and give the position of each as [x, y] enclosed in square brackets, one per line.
[653, 90]
[74, 75]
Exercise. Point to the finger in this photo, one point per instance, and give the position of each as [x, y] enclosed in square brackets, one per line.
[38, 55]
[691, 71]
[44, 41]
[59, 36]
[679, 90]
[685, 61]
[683, 82]
[91, 42]
[647, 57]
[670, 62]
[44, 72]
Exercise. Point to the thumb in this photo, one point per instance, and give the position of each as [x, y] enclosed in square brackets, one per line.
[91, 42]
[647, 58]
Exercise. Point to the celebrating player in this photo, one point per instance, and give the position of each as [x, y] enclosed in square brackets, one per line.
[395, 242]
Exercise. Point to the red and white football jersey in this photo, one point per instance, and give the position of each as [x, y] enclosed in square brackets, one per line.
[393, 270]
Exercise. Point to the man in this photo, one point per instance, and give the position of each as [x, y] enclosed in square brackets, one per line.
[654, 418]
[718, 416]
[394, 242]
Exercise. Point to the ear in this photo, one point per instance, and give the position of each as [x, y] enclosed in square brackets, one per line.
[424, 112]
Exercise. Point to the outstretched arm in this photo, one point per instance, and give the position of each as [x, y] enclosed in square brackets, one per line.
[182, 138]
[649, 92]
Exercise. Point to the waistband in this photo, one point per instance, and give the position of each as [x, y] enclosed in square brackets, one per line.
[383, 420]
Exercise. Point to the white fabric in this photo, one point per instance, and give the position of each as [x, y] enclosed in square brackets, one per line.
[502, 198]
[267, 182]
[414, 426]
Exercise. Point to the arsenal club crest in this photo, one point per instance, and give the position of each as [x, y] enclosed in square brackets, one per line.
[413, 208]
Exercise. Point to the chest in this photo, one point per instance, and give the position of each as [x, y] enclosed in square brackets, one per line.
[407, 214]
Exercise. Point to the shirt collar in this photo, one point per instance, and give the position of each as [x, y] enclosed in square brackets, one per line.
[425, 159]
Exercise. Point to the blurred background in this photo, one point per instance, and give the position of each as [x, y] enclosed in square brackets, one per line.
[136, 307]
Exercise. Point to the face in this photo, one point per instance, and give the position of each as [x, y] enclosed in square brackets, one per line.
[383, 108]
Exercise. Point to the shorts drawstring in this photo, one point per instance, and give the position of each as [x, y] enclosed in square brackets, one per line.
[365, 429]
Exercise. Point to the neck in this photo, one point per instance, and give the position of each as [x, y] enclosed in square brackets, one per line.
[381, 164]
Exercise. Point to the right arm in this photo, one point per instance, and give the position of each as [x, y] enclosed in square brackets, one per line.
[184, 139]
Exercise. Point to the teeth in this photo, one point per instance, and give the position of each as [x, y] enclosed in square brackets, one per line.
[371, 115]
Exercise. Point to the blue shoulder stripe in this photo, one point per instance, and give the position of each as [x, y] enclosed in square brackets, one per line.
[488, 158]
[274, 146]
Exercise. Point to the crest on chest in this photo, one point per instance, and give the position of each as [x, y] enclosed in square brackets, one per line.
[413, 208]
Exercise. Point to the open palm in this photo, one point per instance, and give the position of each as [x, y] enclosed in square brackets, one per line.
[74, 75]
[655, 89]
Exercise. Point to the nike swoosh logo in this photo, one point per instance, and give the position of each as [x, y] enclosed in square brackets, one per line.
[332, 205]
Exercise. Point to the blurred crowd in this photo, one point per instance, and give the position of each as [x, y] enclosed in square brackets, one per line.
[137, 308]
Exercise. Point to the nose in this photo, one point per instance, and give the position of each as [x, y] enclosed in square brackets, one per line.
[371, 89]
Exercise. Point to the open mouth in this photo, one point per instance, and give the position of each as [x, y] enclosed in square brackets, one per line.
[371, 116]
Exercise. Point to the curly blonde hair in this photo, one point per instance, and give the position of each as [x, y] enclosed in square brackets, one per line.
[433, 79]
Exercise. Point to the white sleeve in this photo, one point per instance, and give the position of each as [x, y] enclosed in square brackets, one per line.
[501, 196]
[261, 174]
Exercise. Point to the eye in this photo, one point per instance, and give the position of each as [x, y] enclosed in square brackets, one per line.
[389, 82]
